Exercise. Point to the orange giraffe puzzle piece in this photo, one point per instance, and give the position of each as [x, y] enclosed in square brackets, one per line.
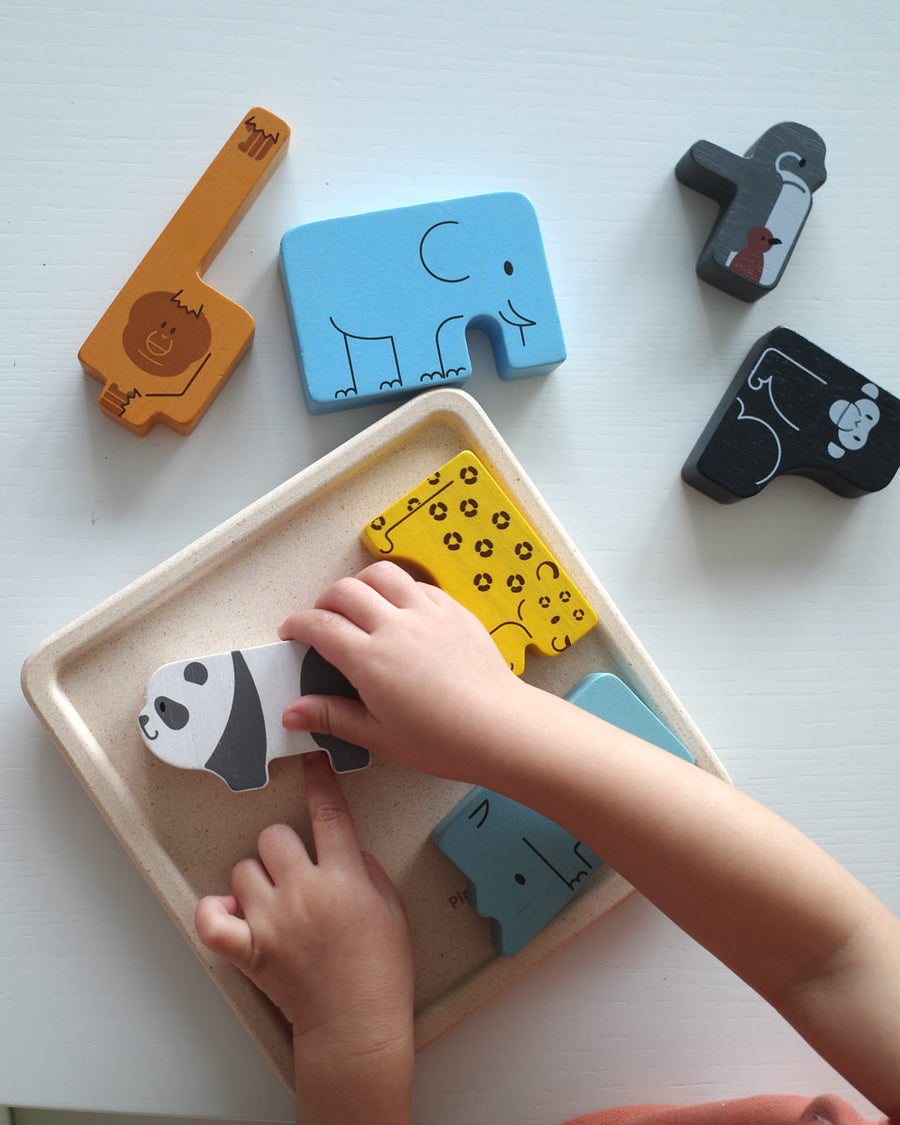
[165, 346]
[461, 527]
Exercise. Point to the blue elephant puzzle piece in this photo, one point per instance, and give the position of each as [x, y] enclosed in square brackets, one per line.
[522, 868]
[379, 303]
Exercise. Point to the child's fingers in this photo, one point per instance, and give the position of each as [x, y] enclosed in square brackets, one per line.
[357, 601]
[382, 883]
[251, 883]
[392, 582]
[439, 597]
[333, 636]
[349, 602]
[334, 832]
[331, 714]
[282, 852]
[222, 932]
[309, 625]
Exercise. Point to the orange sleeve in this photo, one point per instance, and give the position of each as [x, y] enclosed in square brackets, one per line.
[765, 1110]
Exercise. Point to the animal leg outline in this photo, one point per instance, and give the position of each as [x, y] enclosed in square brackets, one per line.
[386, 384]
[443, 372]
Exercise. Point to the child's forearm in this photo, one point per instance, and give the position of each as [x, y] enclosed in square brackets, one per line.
[435, 694]
[687, 840]
[334, 1088]
[748, 886]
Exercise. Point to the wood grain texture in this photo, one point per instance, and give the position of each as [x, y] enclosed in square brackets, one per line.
[764, 198]
[167, 343]
[462, 528]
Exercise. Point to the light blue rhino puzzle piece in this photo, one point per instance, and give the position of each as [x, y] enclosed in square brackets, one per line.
[521, 868]
[379, 303]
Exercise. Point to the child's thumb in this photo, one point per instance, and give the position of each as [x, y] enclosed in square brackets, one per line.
[334, 715]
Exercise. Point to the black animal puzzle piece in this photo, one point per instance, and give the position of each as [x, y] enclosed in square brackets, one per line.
[764, 198]
[793, 408]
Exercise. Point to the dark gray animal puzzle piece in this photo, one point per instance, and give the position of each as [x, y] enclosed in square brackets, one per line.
[522, 869]
[764, 198]
[793, 408]
[318, 677]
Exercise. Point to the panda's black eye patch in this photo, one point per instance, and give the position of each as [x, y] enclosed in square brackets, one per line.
[174, 715]
[196, 673]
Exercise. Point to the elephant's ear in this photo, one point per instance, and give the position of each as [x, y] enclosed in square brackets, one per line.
[443, 251]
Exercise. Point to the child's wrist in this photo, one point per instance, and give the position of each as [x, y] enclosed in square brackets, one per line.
[502, 758]
[348, 1076]
[353, 1039]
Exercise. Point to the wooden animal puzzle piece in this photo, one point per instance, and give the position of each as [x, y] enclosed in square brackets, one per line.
[764, 198]
[379, 303]
[167, 343]
[461, 527]
[222, 713]
[793, 408]
[522, 869]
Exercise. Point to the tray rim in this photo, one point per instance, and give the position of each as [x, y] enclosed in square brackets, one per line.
[47, 662]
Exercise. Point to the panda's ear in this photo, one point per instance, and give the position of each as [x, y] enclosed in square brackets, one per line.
[196, 673]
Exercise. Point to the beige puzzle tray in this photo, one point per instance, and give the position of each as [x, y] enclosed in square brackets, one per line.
[231, 589]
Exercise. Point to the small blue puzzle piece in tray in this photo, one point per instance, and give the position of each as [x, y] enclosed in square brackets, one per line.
[522, 869]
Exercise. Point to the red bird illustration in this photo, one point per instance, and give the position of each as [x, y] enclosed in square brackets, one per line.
[749, 261]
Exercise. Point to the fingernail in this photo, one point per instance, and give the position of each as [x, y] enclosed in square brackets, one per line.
[293, 720]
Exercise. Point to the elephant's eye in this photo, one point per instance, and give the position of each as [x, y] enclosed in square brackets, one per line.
[508, 268]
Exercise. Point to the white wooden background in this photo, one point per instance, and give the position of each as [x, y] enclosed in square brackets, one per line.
[775, 620]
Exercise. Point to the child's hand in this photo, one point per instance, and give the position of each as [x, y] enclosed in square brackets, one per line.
[432, 684]
[329, 943]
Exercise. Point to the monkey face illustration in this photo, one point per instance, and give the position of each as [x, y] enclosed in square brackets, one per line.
[163, 336]
[793, 408]
[854, 420]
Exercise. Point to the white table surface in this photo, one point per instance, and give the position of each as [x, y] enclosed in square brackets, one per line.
[775, 620]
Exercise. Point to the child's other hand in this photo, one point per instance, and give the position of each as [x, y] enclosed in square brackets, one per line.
[327, 941]
[432, 683]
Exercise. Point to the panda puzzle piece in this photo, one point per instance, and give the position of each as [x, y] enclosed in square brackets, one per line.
[168, 342]
[522, 869]
[222, 713]
[793, 408]
[379, 303]
[461, 527]
[764, 198]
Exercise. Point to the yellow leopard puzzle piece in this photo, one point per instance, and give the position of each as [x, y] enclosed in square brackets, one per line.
[462, 528]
